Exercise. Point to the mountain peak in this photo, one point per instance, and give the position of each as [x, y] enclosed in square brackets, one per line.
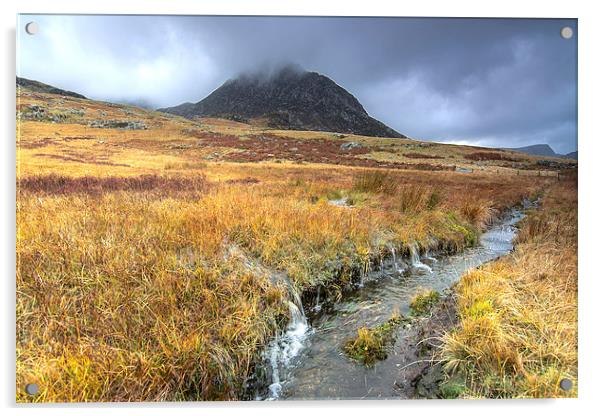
[288, 97]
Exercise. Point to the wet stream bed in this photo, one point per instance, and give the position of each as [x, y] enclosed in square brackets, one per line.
[307, 361]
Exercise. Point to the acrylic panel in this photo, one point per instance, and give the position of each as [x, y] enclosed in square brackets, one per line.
[292, 208]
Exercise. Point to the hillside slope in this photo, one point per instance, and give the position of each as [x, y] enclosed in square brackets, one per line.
[37, 86]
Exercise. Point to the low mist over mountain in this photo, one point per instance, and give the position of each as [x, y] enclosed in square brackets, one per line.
[288, 98]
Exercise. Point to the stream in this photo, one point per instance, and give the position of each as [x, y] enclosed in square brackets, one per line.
[306, 360]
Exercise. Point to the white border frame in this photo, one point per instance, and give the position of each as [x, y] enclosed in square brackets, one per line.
[590, 28]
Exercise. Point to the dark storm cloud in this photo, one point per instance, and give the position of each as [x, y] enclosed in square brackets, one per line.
[494, 82]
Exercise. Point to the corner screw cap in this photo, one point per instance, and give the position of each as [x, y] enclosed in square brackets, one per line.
[32, 389]
[566, 384]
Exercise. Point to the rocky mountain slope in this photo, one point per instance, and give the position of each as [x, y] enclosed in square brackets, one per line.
[290, 98]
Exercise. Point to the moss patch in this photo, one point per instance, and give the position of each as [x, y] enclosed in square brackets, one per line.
[423, 301]
[371, 344]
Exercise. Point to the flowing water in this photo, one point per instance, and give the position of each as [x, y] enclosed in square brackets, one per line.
[306, 361]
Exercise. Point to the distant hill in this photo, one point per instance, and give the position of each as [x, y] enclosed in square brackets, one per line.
[536, 150]
[289, 98]
[37, 86]
[542, 150]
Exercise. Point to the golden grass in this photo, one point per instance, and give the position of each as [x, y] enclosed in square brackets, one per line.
[133, 294]
[145, 270]
[517, 335]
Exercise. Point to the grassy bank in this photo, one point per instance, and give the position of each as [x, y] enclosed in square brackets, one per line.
[162, 288]
[517, 335]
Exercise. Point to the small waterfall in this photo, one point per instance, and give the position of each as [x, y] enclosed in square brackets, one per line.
[415, 259]
[362, 277]
[297, 316]
[317, 306]
[398, 268]
[274, 356]
[297, 301]
[430, 257]
[289, 344]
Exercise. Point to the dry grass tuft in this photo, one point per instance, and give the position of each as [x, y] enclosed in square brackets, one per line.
[477, 211]
[416, 198]
[374, 181]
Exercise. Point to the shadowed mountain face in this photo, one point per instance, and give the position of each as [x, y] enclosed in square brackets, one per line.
[290, 98]
[45, 88]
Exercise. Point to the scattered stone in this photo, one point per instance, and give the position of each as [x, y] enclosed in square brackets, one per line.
[76, 111]
[39, 113]
[556, 165]
[237, 118]
[341, 202]
[118, 124]
[350, 145]
[212, 156]
[34, 112]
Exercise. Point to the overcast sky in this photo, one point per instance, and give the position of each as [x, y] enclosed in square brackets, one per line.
[491, 82]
